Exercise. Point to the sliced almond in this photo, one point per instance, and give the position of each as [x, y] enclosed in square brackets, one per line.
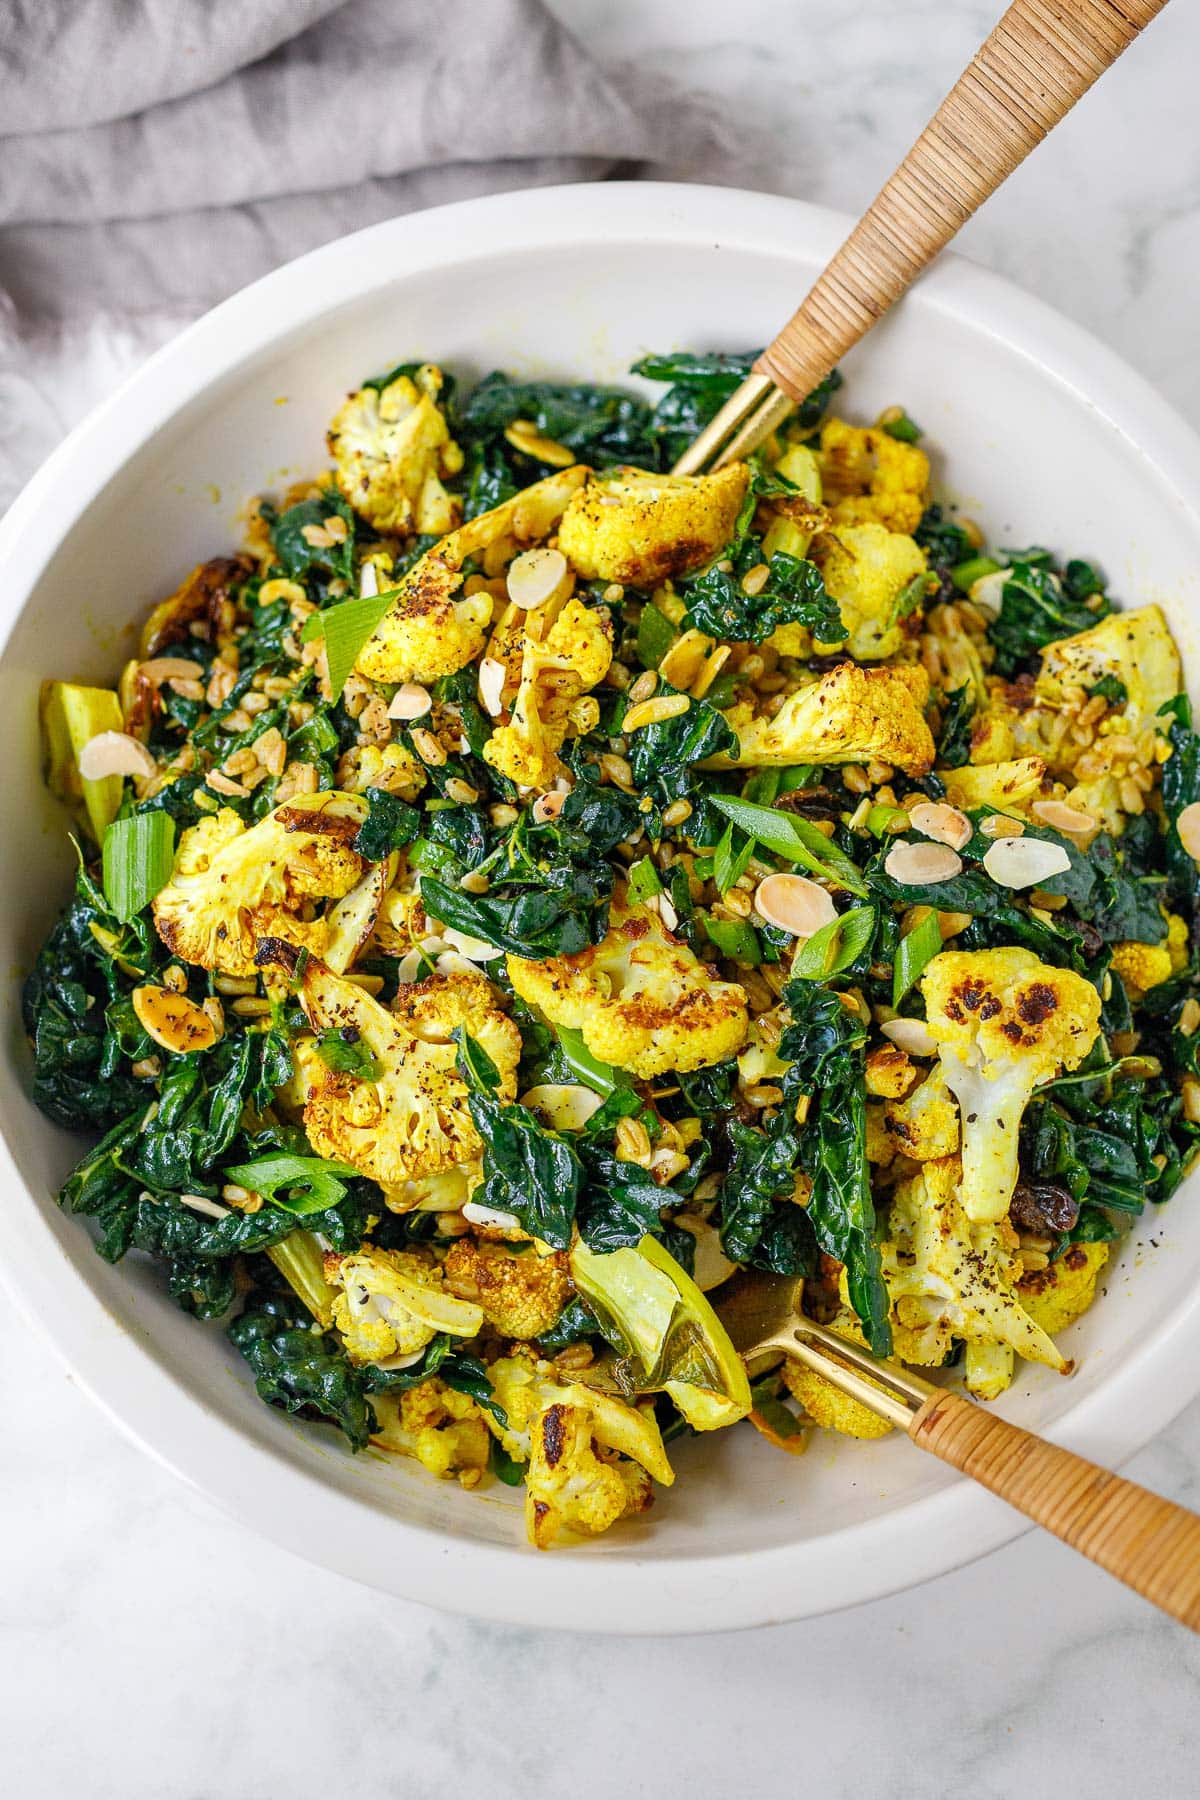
[547, 807]
[536, 577]
[368, 581]
[170, 668]
[910, 1035]
[919, 865]
[475, 1214]
[115, 753]
[1061, 817]
[1025, 862]
[473, 948]
[565, 1106]
[999, 825]
[410, 701]
[666, 911]
[491, 686]
[1188, 827]
[944, 824]
[794, 903]
[175, 1023]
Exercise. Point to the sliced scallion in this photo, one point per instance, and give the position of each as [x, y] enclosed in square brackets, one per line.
[916, 949]
[138, 856]
[346, 628]
[797, 840]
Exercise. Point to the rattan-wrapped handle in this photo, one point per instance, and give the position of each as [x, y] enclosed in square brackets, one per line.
[1041, 57]
[1149, 1543]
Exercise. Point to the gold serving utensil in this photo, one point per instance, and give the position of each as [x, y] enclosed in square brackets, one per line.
[1041, 57]
[1149, 1543]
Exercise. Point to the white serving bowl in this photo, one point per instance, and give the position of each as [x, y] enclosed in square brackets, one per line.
[1041, 431]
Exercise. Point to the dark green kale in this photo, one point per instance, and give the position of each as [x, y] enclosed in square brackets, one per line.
[1036, 608]
[700, 386]
[297, 557]
[465, 1374]
[299, 1370]
[663, 758]
[1180, 789]
[954, 743]
[528, 1170]
[793, 594]
[760, 1225]
[390, 824]
[945, 543]
[602, 425]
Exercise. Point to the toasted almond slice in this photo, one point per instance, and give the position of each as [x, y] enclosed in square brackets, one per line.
[666, 911]
[410, 701]
[473, 948]
[225, 784]
[999, 825]
[491, 686]
[565, 1105]
[919, 865]
[794, 903]
[1061, 817]
[368, 581]
[175, 1023]
[910, 1035]
[476, 1214]
[536, 577]
[1024, 862]
[114, 753]
[944, 824]
[170, 668]
[547, 807]
[1188, 827]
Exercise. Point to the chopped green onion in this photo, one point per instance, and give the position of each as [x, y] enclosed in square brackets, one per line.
[346, 628]
[300, 1184]
[643, 879]
[909, 598]
[347, 1056]
[506, 1468]
[138, 856]
[835, 946]
[594, 1074]
[795, 839]
[729, 865]
[301, 1261]
[965, 574]
[902, 428]
[655, 635]
[915, 950]
[882, 819]
[734, 938]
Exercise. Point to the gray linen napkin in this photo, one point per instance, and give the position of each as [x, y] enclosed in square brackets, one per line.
[155, 155]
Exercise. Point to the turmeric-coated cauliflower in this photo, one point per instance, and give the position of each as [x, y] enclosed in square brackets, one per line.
[867, 475]
[1056, 1296]
[556, 669]
[849, 715]
[1142, 967]
[571, 1436]
[949, 1278]
[1134, 647]
[642, 1000]
[233, 884]
[923, 1125]
[867, 569]
[443, 1430]
[1004, 1024]
[519, 1291]
[405, 1115]
[391, 1303]
[433, 629]
[1007, 786]
[639, 528]
[392, 448]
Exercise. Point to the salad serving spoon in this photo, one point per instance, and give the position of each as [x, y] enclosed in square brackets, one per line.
[1041, 57]
[1151, 1544]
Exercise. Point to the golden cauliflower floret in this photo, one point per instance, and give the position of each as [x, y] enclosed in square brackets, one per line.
[924, 1125]
[408, 1118]
[556, 670]
[639, 528]
[642, 1000]
[433, 628]
[1007, 786]
[1136, 647]
[1177, 943]
[1142, 967]
[1004, 1023]
[948, 1279]
[392, 767]
[393, 450]
[826, 1406]
[1055, 1297]
[443, 1430]
[520, 1292]
[234, 884]
[867, 568]
[868, 476]
[391, 1303]
[571, 1485]
[849, 715]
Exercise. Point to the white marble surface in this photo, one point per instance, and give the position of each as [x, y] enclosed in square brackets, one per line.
[149, 1647]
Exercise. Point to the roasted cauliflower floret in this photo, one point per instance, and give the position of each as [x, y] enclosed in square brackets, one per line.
[1136, 647]
[639, 528]
[924, 1125]
[826, 1405]
[519, 1291]
[408, 1117]
[556, 670]
[392, 767]
[867, 568]
[1055, 1297]
[1007, 786]
[391, 1303]
[1004, 1024]
[393, 450]
[1142, 967]
[572, 1486]
[433, 628]
[868, 476]
[232, 885]
[443, 1430]
[642, 1000]
[849, 715]
[948, 1278]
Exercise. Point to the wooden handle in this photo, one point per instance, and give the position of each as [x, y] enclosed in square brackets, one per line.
[1041, 57]
[1149, 1543]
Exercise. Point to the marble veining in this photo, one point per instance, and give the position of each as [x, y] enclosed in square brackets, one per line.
[152, 1647]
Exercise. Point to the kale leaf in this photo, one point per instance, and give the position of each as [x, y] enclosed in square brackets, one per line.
[1036, 608]
[299, 1370]
[528, 1170]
